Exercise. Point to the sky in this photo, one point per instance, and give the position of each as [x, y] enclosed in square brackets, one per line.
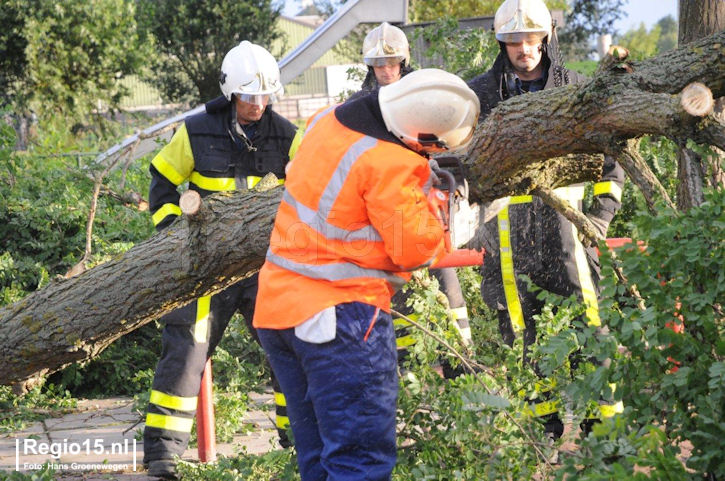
[647, 11]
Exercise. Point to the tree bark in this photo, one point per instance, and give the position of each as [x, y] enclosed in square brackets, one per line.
[74, 320]
[527, 141]
[536, 141]
[699, 18]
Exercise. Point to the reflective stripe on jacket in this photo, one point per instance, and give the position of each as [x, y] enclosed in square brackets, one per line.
[531, 238]
[353, 221]
[204, 153]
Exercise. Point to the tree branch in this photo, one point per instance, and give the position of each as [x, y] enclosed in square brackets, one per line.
[575, 216]
[527, 134]
[691, 179]
[642, 176]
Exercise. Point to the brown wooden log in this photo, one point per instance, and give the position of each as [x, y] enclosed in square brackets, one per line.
[541, 140]
[522, 143]
[190, 203]
[74, 320]
[696, 99]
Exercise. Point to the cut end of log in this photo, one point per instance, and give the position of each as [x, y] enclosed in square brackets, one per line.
[618, 52]
[697, 99]
[615, 60]
[190, 202]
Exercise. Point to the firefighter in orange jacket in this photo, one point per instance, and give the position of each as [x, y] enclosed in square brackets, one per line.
[353, 222]
[386, 52]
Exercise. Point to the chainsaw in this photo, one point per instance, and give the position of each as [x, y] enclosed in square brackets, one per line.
[463, 221]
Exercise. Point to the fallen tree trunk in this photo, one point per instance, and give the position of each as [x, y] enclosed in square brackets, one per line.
[527, 140]
[75, 319]
[525, 144]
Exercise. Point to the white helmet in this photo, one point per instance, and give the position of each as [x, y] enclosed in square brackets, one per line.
[385, 42]
[430, 110]
[515, 19]
[251, 71]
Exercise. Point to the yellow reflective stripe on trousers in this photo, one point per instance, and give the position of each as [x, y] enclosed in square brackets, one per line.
[520, 199]
[215, 184]
[164, 211]
[610, 410]
[541, 409]
[507, 271]
[589, 295]
[608, 187]
[460, 313]
[173, 402]
[171, 423]
[399, 322]
[201, 326]
[571, 193]
[279, 399]
[282, 422]
[405, 341]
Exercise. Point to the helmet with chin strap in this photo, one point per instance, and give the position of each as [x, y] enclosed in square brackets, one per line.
[517, 20]
[250, 71]
[385, 43]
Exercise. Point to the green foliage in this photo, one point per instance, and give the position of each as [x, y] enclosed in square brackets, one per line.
[593, 17]
[13, 63]
[660, 155]
[76, 53]
[192, 38]
[7, 141]
[681, 273]
[585, 67]
[18, 412]
[275, 465]
[46, 473]
[43, 216]
[431, 10]
[239, 362]
[585, 19]
[668, 34]
[125, 368]
[466, 53]
[643, 43]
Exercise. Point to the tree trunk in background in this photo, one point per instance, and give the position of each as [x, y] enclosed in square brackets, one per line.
[524, 145]
[698, 19]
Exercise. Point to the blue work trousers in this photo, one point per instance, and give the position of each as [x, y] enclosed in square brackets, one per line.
[341, 395]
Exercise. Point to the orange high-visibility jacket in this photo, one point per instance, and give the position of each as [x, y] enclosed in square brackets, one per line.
[353, 222]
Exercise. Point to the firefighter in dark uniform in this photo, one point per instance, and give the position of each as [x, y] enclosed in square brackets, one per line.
[529, 237]
[232, 145]
[386, 52]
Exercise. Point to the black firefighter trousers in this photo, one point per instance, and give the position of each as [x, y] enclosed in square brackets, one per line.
[190, 336]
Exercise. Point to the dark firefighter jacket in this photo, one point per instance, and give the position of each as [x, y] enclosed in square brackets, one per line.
[206, 153]
[531, 238]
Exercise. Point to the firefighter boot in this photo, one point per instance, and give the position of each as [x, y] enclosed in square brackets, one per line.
[163, 469]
